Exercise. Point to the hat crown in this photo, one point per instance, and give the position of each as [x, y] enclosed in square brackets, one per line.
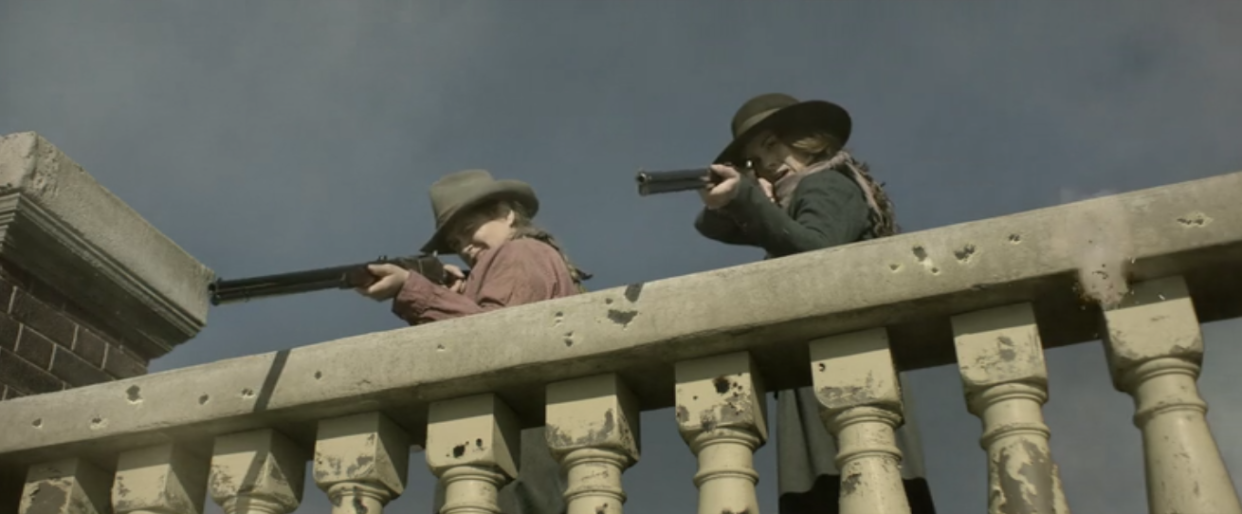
[458, 192]
[456, 189]
[757, 108]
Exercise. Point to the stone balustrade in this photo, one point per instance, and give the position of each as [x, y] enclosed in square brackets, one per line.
[1139, 271]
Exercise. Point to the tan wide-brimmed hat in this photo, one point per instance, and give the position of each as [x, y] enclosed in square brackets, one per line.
[457, 192]
[779, 110]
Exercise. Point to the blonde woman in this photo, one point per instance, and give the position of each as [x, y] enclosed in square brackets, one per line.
[512, 262]
[787, 185]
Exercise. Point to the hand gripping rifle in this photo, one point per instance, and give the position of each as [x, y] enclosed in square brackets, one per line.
[676, 181]
[338, 277]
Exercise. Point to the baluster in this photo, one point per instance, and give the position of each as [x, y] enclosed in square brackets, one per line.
[593, 430]
[163, 479]
[68, 486]
[860, 404]
[1001, 362]
[722, 416]
[361, 462]
[1155, 349]
[257, 472]
[473, 446]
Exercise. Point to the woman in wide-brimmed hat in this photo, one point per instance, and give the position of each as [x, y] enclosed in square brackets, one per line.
[488, 223]
[788, 186]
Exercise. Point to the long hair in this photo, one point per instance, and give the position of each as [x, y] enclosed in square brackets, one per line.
[523, 227]
[824, 147]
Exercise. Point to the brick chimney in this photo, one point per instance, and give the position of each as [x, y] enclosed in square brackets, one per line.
[89, 291]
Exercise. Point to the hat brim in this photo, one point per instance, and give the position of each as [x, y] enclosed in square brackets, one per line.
[816, 114]
[514, 190]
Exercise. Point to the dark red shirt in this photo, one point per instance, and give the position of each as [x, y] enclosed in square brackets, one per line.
[517, 272]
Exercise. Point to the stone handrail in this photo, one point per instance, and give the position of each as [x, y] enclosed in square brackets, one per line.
[904, 302]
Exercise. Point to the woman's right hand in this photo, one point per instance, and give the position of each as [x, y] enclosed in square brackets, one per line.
[723, 192]
[457, 279]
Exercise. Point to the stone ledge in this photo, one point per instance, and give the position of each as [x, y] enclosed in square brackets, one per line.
[912, 283]
[58, 224]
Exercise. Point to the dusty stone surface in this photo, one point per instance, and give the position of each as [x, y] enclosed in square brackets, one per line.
[61, 225]
[771, 308]
[999, 345]
[724, 391]
[593, 412]
[475, 431]
[855, 370]
[1157, 320]
[162, 478]
[257, 468]
[363, 448]
[66, 486]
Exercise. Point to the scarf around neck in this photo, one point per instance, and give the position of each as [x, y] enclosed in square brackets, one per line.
[784, 187]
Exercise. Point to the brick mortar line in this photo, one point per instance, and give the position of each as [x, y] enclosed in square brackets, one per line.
[67, 314]
[46, 371]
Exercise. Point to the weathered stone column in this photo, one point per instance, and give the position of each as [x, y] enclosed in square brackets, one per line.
[473, 446]
[1155, 349]
[361, 462]
[69, 486]
[164, 479]
[860, 404]
[90, 291]
[1001, 361]
[593, 430]
[722, 415]
[257, 472]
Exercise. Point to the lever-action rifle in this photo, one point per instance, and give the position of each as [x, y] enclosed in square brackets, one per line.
[676, 181]
[338, 277]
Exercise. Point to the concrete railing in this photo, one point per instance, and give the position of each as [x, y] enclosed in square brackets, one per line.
[1140, 271]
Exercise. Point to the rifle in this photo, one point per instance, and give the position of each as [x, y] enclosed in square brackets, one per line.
[337, 277]
[676, 181]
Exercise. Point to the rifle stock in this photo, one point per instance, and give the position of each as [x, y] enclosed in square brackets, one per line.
[336, 277]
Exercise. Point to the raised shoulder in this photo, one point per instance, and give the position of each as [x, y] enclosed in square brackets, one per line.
[528, 248]
[830, 181]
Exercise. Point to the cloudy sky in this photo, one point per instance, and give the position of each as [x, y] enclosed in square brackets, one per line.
[273, 136]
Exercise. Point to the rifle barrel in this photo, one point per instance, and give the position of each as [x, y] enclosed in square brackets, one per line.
[336, 277]
[230, 291]
[225, 295]
[658, 182]
[295, 276]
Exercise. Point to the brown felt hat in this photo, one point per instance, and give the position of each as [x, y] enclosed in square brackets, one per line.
[457, 192]
[781, 110]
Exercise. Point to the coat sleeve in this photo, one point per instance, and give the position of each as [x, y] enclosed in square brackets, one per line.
[521, 272]
[718, 226]
[828, 210]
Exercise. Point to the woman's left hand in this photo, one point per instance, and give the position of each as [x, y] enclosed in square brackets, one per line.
[768, 190]
[390, 278]
[725, 191]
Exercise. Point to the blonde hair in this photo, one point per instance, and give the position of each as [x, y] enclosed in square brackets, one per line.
[824, 147]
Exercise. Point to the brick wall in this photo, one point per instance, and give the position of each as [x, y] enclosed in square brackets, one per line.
[47, 343]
